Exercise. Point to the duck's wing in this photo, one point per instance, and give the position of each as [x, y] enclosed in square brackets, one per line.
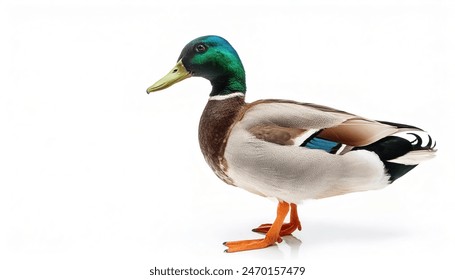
[277, 147]
[290, 123]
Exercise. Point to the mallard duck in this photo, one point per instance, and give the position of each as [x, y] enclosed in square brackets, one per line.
[289, 150]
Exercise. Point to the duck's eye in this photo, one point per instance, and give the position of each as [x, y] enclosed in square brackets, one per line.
[200, 48]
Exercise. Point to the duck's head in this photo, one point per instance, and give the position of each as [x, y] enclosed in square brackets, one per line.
[210, 57]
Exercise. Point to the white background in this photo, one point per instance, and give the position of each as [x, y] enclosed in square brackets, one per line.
[99, 180]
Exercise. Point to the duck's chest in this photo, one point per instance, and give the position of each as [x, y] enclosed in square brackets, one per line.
[214, 127]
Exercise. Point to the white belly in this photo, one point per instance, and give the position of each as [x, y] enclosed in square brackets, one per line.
[292, 173]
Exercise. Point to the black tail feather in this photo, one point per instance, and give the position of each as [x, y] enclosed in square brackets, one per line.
[392, 147]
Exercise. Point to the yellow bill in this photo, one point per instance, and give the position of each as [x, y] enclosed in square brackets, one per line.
[177, 74]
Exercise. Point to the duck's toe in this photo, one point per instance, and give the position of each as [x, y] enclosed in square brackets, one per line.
[243, 245]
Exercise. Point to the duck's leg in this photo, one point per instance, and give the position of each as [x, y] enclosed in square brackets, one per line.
[287, 228]
[272, 235]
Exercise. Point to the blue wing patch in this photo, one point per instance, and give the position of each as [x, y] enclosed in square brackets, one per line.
[322, 144]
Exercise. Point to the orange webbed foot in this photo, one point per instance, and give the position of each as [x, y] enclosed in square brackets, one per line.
[243, 245]
[272, 236]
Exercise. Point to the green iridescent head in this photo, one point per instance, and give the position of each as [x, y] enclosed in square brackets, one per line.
[210, 57]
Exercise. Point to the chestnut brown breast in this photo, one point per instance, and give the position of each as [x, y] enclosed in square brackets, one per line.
[214, 127]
